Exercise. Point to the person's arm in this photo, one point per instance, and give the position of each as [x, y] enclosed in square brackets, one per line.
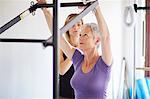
[65, 64]
[47, 14]
[48, 17]
[64, 44]
[66, 47]
[105, 37]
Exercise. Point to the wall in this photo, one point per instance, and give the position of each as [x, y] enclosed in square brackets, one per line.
[26, 69]
[133, 42]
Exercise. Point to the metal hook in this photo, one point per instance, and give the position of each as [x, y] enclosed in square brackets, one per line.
[128, 16]
[32, 3]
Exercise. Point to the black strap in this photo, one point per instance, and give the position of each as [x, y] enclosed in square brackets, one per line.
[9, 24]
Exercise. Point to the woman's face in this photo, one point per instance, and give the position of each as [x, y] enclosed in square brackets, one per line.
[74, 31]
[86, 38]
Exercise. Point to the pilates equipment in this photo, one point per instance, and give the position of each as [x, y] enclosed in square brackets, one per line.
[90, 6]
[25, 13]
[32, 10]
[51, 41]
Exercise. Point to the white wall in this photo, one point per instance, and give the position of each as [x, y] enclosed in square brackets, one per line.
[133, 43]
[140, 39]
[26, 69]
[112, 10]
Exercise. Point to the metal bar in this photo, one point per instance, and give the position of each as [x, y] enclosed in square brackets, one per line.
[134, 56]
[72, 4]
[22, 40]
[45, 44]
[143, 39]
[55, 49]
[76, 19]
[44, 5]
[141, 8]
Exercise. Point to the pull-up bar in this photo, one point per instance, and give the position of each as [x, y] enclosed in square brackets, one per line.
[141, 8]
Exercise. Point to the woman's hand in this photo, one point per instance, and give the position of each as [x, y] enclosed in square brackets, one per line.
[81, 7]
[48, 15]
[41, 1]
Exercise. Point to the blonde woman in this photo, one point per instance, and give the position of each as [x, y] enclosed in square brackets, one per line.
[66, 69]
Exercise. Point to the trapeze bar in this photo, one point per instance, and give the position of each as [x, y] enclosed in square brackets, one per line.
[141, 8]
[144, 69]
[77, 18]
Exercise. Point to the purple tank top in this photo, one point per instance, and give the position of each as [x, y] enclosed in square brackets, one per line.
[91, 85]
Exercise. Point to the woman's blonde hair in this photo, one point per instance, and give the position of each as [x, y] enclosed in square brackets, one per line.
[69, 18]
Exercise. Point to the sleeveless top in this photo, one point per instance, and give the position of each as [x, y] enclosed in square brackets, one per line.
[91, 85]
[65, 88]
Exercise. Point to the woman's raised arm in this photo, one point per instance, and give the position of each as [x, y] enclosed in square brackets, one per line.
[105, 38]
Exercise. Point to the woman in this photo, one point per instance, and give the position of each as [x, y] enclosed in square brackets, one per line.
[92, 70]
[66, 69]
